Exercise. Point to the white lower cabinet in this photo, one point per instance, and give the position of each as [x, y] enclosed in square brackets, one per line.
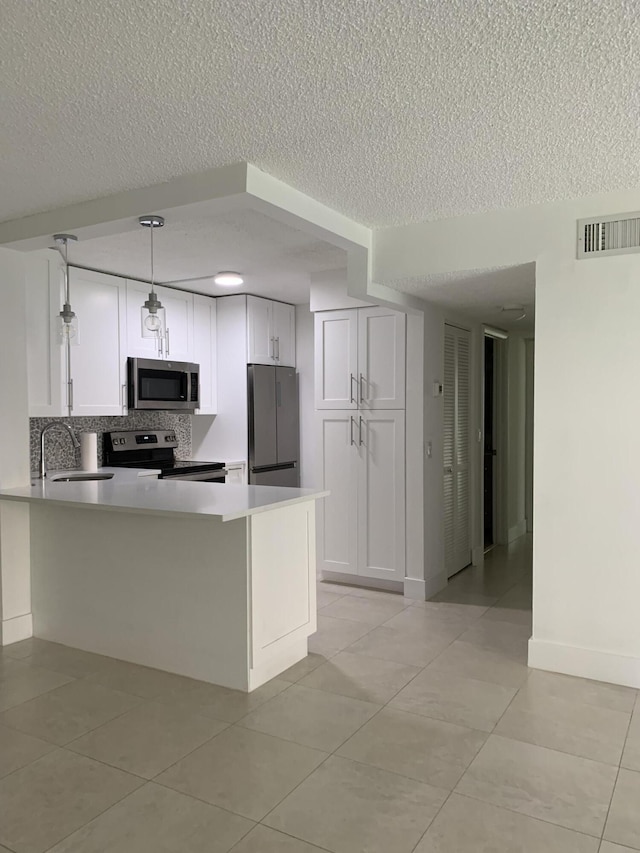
[337, 531]
[381, 495]
[361, 525]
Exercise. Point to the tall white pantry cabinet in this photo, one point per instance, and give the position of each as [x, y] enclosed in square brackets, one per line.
[360, 370]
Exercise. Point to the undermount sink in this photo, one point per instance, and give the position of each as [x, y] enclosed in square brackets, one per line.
[80, 476]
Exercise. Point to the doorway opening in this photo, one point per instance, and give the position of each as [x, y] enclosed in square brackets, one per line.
[489, 485]
[494, 430]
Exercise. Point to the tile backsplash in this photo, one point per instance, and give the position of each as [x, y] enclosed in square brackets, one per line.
[60, 454]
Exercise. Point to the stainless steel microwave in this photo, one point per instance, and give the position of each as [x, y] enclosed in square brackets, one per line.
[165, 385]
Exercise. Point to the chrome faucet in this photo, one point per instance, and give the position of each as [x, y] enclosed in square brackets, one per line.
[47, 428]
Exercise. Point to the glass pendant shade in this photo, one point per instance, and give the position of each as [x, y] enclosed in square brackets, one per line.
[152, 317]
[68, 326]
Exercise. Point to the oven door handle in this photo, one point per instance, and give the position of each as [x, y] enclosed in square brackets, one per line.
[202, 476]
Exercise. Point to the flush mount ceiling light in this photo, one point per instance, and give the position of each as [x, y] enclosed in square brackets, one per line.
[68, 326]
[152, 313]
[514, 312]
[228, 278]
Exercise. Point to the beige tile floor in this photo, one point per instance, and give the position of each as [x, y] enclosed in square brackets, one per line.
[411, 726]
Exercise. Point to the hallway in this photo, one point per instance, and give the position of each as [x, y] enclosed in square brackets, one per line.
[411, 726]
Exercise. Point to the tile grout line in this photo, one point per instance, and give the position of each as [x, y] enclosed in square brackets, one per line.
[615, 784]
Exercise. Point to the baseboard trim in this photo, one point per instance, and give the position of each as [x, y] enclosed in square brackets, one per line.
[16, 629]
[517, 530]
[477, 555]
[361, 580]
[585, 663]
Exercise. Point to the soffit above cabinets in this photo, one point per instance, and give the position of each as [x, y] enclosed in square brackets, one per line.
[274, 259]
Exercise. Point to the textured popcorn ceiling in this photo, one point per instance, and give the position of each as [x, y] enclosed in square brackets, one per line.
[274, 259]
[387, 111]
[480, 294]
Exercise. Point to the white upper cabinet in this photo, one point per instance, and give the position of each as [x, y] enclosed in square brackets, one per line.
[336, 359]
[284, 333]
[178, 341]
[137, 346]
[360, 359]
[260, 343]
[381, 358]
[271, 332]
[97, 369]
[178, 305]
[204, 352]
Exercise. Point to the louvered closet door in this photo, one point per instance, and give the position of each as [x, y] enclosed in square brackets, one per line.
[457, 449]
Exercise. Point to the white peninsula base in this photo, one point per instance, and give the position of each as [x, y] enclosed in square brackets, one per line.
[228, 602]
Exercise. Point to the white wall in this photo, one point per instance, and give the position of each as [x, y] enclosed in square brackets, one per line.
[587, 412]
[529, 409]
[304, 366]
[15, 583]
[516, 417]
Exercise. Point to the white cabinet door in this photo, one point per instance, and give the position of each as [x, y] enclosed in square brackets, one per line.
[336, 359]
[457, 449]
[260, 343]
[204, 351]
[46, 363]
[137, 346]
[284, 333]
[337, 514]
[381, 495]
[381, 358]
[178, 304]
[96, 363]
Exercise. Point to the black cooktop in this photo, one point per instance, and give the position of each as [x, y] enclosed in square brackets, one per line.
[151, 449]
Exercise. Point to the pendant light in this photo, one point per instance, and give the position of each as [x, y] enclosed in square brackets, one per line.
[68, 322]
[152, 312]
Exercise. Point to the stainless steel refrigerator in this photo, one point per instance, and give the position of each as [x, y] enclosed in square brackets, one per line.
[274, 439]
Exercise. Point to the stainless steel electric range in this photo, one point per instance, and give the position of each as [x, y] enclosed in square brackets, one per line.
[156, 449]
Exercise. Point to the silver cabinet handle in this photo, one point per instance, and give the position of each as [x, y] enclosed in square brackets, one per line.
[124, 396]
[362, 381]
[273, 348]
[278, 350]
[160, 342]
[360, 441]
[70, 396]
[352, 399]
[167, 338]
[352, 421]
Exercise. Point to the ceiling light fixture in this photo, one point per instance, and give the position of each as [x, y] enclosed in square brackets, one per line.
[514, 312]
[68, 327]
[152, 312]
[228, 278]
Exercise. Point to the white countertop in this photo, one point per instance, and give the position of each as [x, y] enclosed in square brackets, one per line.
[122, 475]
[147, 495]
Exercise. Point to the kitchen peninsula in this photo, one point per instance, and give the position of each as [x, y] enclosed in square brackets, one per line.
[215, 582]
